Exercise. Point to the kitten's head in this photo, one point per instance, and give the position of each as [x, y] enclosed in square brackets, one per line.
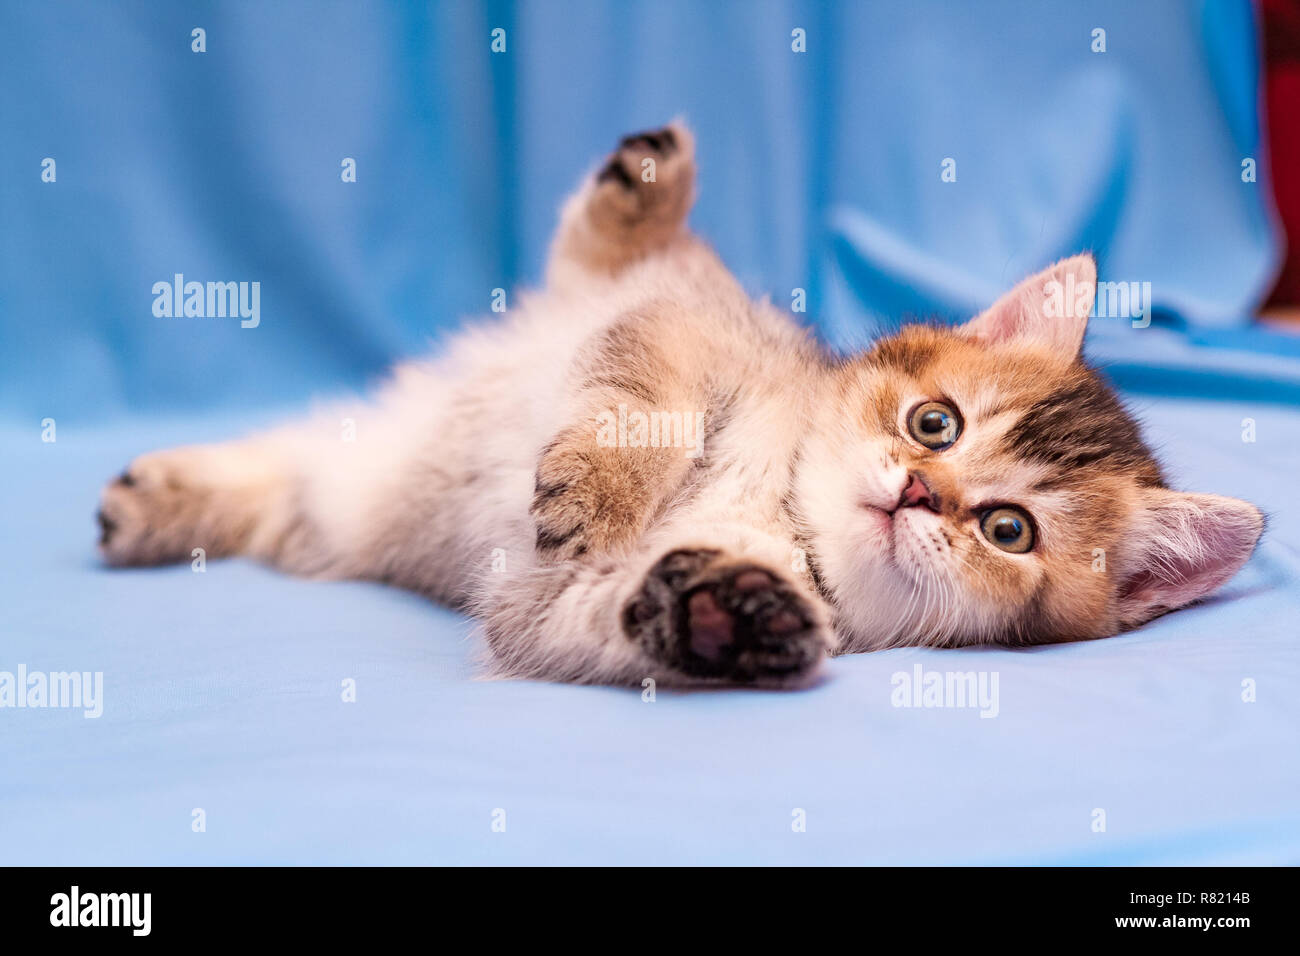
[982, 484]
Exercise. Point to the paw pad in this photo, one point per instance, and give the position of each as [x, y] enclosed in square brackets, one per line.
[707, 616]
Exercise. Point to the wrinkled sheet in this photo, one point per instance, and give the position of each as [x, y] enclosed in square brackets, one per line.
[223, 691]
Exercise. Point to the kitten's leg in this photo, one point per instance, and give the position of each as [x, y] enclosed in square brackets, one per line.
[636, 204]
[591, 499]
[595, 499]
[595, 492]
[696, 614]
[232, 498]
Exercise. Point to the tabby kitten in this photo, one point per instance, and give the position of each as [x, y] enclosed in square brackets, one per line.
[640, 472]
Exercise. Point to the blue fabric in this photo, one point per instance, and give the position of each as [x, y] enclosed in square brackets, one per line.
[819, 171]
[222, 691]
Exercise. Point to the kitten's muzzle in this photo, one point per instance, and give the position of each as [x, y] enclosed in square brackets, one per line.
[917, 494]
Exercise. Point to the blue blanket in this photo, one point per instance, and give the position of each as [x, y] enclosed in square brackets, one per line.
[223, 734]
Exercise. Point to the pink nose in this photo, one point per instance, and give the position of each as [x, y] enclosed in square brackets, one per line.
[917, 493]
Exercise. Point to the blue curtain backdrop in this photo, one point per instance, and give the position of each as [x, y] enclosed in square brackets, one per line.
[819, 170]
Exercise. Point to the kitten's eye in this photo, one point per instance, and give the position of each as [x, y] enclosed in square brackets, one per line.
[1008, 528]
[935, 425]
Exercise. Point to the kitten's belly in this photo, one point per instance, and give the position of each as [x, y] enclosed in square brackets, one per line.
[470, 436]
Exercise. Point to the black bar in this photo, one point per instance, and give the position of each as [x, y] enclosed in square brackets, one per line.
[334, 904]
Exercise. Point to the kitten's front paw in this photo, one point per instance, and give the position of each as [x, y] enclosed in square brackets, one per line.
[706, 614]
[585, 500]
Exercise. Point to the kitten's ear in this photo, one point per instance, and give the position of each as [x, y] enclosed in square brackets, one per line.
[1049, 310]
[1188, 545]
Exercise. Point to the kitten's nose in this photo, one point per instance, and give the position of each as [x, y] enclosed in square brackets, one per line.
[916, 493]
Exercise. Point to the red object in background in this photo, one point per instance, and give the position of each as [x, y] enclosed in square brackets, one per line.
[1281, 21]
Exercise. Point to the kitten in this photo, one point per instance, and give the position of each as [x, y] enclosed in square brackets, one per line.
[639, 472]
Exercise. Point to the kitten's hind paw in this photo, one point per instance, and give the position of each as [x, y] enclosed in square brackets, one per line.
[626, 163]
[708, 615]
[649, 179]
[149, 513]
[635, 204]
[168, 503]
